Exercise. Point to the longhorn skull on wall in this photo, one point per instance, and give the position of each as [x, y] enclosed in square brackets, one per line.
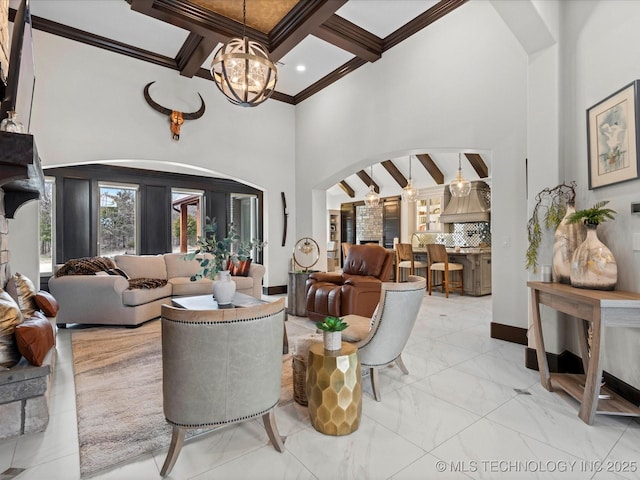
[176, 117]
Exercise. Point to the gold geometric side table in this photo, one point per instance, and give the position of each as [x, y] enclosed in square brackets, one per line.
[334, 389]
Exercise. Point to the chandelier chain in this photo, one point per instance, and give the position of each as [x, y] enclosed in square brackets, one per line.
[244, 18]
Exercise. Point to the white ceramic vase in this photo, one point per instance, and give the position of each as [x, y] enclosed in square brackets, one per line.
[332, 340]
[593, 265]
[568, 238]
[224, 288]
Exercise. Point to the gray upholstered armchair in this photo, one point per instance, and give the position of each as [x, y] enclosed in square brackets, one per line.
[221, 367]
[381, 339]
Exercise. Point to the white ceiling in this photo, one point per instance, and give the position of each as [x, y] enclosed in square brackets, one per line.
[114, 19]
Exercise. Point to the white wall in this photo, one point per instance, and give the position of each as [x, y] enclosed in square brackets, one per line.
[24, 239]
[461, 82]
[89, 107]
[603, 56]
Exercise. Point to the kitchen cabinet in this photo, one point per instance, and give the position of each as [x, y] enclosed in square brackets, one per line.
[429, 206]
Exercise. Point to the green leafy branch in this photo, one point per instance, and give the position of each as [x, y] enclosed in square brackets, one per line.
[551, 204]
[594, 215]
[214, 255]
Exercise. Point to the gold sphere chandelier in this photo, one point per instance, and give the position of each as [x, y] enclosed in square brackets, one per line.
[242, 70]
[460, 187]
[409, 192]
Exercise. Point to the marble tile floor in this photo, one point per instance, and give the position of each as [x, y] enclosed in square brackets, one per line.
[468, 409]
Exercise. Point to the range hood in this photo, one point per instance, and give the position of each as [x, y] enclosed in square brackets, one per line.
[475, 207]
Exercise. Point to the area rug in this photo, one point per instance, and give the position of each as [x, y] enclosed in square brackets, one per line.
[118, 380]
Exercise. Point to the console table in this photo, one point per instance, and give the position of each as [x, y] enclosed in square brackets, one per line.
[601, 309]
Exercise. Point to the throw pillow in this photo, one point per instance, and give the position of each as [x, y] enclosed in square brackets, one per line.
[241, 269]
[35, 338]
[10, 317]
[47, 303]
[24, 293]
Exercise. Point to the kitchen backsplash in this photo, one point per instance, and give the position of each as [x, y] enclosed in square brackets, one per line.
[463, 235]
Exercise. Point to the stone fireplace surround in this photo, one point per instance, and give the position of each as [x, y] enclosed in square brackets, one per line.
[24, 388]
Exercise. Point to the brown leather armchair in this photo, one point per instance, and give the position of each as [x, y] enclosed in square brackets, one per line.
[356, 290]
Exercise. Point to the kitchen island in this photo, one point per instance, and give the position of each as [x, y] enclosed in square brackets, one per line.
[477, 267]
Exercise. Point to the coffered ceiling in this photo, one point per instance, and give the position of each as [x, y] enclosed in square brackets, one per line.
[315, 43]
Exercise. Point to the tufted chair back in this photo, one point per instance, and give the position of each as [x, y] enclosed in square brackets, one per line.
[368, 260]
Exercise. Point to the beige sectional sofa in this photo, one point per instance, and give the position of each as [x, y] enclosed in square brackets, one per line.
[107, 299]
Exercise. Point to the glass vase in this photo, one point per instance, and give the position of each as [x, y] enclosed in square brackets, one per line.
[568, 238]
[593, 265]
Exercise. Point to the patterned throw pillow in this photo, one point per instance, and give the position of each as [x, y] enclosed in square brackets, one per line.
[24, 293]
[241, 269]
[10, 317]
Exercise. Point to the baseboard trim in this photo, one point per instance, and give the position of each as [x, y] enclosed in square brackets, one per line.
[569, 362]
[509, 333]
[274, 290]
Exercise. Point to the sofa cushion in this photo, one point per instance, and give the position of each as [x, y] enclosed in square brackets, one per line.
[184, 286]
[140, 296]
[47, 303]
[142, 266]
[35, 338]
[177, 266]
[10, 317]
[23, 292]
[243, 283]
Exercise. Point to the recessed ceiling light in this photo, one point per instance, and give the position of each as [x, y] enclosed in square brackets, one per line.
[301, 68]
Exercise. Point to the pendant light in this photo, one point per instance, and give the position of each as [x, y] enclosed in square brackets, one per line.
[409, 192]
[242, 70]
[460, 187]
[371, 199]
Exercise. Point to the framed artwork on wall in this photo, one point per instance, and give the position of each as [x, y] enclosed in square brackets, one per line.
[612, 136]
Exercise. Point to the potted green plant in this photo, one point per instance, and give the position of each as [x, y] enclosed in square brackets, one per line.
[331, 330]
[593, 265]
[550, 207]
[214, 256]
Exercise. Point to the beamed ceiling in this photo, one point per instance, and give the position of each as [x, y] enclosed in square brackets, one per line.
[331, 38]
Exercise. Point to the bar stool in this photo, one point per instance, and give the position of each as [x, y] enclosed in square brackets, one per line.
[404, 259]
[439, 262]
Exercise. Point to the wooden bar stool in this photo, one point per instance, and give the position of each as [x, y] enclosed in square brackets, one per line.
[439, 262]
[404, 259]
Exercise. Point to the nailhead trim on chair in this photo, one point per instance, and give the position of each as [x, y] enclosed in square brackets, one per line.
[201, 425]
[221, 322]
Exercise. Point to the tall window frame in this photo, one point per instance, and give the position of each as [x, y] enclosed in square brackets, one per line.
[187, 218]
[122, 241]
[47, 227]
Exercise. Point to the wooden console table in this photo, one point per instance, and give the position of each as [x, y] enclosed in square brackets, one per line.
[601, 309]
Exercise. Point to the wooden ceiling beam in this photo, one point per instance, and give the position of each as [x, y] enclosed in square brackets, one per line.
[478, 164]
[347, 189]
[367, 180]
[431, 167]
[194, 52]
[436, 12]
[303, 20]
[350, 37]
[395, 173]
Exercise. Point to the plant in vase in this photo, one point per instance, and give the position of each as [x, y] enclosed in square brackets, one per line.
[331, 330]
[593, 265]
[554, 205]
[214, 256]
